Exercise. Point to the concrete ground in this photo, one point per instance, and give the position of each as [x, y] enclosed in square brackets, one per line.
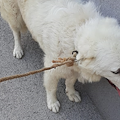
[25, 98]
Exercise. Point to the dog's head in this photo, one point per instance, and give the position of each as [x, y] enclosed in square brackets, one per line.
[98, 46]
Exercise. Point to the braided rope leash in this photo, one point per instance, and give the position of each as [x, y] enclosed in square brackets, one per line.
[61, 61]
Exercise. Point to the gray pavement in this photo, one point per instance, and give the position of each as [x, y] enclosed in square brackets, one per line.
[25, 98]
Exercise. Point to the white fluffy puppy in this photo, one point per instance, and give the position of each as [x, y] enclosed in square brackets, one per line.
[60, 27]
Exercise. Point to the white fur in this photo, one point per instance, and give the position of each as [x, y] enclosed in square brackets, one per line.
[60, 27]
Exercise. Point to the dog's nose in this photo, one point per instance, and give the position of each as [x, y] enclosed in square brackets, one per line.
[75, 52]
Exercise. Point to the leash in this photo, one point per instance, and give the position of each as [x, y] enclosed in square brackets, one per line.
[61, 61]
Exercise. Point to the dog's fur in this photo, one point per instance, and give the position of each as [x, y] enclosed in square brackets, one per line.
[60, 27]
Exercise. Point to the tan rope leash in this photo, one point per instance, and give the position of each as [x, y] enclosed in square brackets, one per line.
[61, 61]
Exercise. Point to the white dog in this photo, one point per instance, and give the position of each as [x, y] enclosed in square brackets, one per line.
[60, 27]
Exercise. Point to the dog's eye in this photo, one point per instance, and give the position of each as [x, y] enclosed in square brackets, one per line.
[116, 72]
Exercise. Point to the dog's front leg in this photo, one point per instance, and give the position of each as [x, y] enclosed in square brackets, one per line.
[50, 84]
[72, 94]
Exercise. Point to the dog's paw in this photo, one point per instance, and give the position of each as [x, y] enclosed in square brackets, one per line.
[54, 107]
[18, 53]
[75, 97]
